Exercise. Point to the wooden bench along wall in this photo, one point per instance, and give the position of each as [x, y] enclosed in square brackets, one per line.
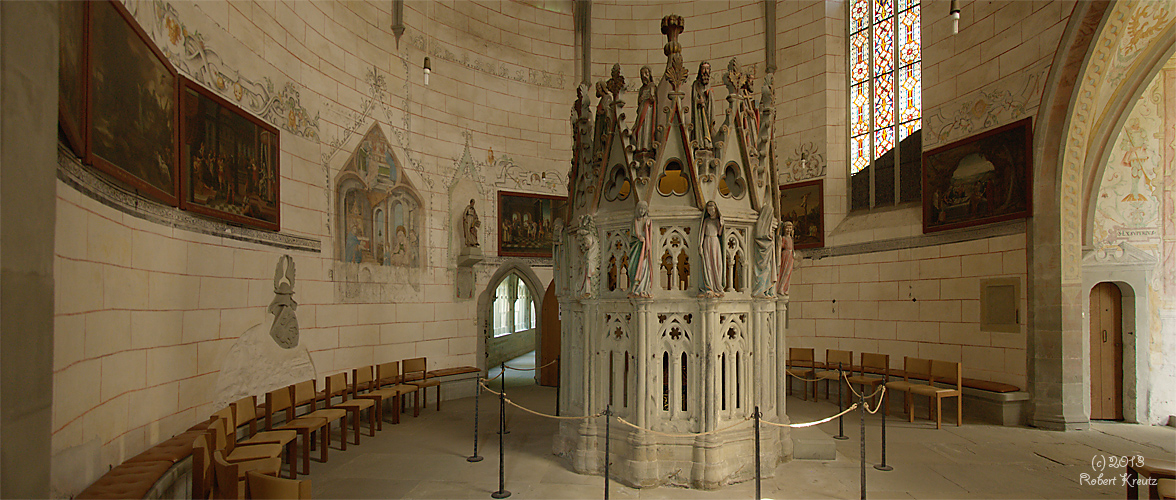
[165, 470]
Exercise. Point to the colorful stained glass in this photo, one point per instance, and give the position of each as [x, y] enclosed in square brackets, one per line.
[859, 56]
[859, 109]
[884, 101]
[883, 141]
[883, 9]
[860, 153]
[910, 93]
[884, 46]
[909, 128]
[908, 36]
[859, 15]
[904, 4]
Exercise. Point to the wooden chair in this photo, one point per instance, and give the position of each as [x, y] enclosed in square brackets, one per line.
[947, 372]
[873, 372]
[337, 387]
[265, 487]
[415, 374]
[305, 394]
[801, 365]
[832, 359]
[242, 453]
[388, 376]
[914, 370]
[366, 387]
[230, 477]
[245, 413]
[1151, 470]
[282, 400]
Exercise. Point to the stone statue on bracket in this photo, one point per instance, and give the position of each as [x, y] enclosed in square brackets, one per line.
[284, 329]
[590, 249]
[702, 123]
[470, 225]
[644, 125]
[711, 251]
[787, 259]
[765, 252]
[641, 253]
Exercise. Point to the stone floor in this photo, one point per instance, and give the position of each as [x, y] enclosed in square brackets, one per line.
[425, 457]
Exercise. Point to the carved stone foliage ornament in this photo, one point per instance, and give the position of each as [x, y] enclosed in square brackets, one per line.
[284, 329]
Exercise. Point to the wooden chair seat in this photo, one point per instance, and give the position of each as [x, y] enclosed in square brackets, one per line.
[388, 376]
[337, 386]
[282, 400]
[1166, 488]
[835, 359]
[927, 390]
[230, 477]
[364, 387]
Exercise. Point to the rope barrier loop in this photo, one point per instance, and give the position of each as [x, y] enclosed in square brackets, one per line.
[531, 369]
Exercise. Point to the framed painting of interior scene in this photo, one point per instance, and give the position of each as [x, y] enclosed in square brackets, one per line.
[982, 179]
[803, 204]
[132, 111]
[229, 160]
[525, 223]
[71, 81]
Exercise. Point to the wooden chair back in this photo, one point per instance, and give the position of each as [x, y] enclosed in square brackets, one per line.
[388, 373]
[801, 356]
[336, 386]
[245, 412]
[305, 394]
[947, 372]
[220, 436]
[415, 369]
[201, 467]
[266, 487]
[916, 368]
[875, 363]
[833, 356]
[278, 400]
[362, 379]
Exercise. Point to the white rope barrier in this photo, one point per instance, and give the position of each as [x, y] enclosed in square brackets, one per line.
[810, 424]
[692, 434]
[531, 369]
[528, 410]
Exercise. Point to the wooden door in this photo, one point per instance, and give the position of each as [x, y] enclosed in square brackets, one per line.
[549, 334]
[1106, 352]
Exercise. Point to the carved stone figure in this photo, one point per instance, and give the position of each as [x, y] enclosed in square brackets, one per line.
[616, 84]
[711, 251]
[787, 259]
[284, 329]
[641, 253]
[603, 123]
[470, 225]
[701, 135]
[765, 252]
[644, 125]
[590, 248]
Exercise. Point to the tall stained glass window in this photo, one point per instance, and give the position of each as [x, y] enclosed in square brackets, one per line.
[885, 102]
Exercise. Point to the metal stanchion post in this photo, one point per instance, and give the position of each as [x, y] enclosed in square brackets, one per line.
[558, 382]
[757, 453]
[607, 438]
[501, 493]
[881, 401]
[502, 389]
[862, 414]
[840, 423]
[477, 392]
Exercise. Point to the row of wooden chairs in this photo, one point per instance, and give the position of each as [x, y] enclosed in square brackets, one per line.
[225, 465]
[919, 377]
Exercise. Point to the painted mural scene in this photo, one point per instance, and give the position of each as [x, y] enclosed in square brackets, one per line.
[585, 249]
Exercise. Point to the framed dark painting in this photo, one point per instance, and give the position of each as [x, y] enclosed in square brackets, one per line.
[982, 179]
[71, 76]
[803, 204]
[525, 223]
[229, 160]
[132, 133]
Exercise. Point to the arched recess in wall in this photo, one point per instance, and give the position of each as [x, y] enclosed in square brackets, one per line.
[486, 303]
[1070, 134]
